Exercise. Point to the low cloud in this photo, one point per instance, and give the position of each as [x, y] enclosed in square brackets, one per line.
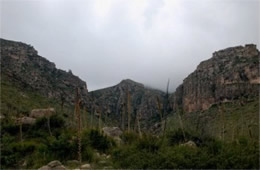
[149, 41]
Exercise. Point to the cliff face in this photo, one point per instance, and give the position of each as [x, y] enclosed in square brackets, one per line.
[21, 63]
[231, 73]
[113, 102]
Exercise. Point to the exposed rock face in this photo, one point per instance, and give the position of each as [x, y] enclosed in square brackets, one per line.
[229, 74]
[112, 102]
[39, 113]
[112, 131]
[22, 64]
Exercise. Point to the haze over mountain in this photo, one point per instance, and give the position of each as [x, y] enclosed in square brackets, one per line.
[148, 41]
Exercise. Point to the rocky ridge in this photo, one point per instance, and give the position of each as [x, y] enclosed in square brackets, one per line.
[22, 64]
[230, 74]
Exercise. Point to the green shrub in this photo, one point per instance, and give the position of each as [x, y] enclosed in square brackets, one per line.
[129, 137]
[100, 142]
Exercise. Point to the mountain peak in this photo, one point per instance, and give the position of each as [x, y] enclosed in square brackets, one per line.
[130, 82]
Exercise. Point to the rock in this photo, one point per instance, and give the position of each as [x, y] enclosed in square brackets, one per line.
[39, 113]
[20, 61]
[112, 131]
[2, 117]
[190, 144]
[85, 166]
[26, 120]
[108, 156]
[228, 75]
[53, 165]
[97, 154]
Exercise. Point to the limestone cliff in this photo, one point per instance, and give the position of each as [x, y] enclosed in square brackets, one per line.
[230, 74]
[21, 63]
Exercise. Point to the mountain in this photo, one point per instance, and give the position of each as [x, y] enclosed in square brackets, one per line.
[21, 64]
[228, 81]
[221, 97]
[230, 74]
[113, 103]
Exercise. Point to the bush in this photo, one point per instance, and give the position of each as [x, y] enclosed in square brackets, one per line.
[129, 137]
[99, 141]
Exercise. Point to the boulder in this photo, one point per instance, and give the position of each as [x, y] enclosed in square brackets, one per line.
[85, 166]
[190, 144]
[39, 113]
[53, 165]
[26, 120]
[2, 117]
[112, 131]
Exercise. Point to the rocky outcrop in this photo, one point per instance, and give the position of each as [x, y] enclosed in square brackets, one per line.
[39, 113]
[112, 131]
[230, 74]
[25, 120]
[22, 64]
[53, 165]
[112, 102]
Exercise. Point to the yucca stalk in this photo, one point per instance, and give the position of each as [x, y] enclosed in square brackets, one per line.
[160, 112]
[99, 120]
[138, 124]
[128, 109]
[179, 112]
[165, 108]
[78, 115]
[48, 122]
[21, 128]
[123, 116]
[222, 112]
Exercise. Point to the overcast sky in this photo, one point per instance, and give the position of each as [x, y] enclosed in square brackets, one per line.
[149, 41]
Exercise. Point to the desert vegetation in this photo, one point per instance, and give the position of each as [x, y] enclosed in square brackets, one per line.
[33, 146]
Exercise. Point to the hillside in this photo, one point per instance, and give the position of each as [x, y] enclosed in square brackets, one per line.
[113, 103]
[21, 64]
[230, 74]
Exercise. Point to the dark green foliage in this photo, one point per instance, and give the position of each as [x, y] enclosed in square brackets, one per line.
[129, 137]
[99, 141]
[146, 153]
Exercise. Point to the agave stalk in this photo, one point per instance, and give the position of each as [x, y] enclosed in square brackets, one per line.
[77, 113]
[21, 128]
[99, 120]
[123, 116]
[138, 125]
[48, 122]
[129, 109]
[160, 112]
[181, 123]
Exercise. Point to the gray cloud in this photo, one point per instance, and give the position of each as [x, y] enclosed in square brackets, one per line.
[148, 41]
